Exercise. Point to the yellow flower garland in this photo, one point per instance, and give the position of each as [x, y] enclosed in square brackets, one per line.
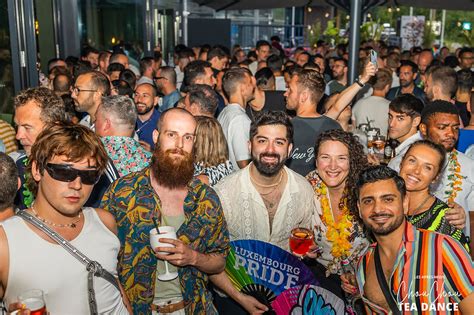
[454, 177]
[338, 233]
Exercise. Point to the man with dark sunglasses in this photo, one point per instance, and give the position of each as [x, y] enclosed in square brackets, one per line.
[35, 108]
[167, 194]
[65, 162]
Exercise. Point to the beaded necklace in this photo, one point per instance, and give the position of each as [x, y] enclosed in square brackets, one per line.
[69, 225]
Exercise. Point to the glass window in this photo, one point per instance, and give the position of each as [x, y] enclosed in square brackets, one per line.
[105, 24]
[6, 73]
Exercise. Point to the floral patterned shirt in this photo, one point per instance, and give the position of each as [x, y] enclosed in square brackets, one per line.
[133, 202]
[126, 153]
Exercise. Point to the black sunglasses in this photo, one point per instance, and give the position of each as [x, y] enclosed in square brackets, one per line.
[66, 173]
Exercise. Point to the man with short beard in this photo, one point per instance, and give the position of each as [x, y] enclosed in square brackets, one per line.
[166, 193]
[263, 201]
[87, 94]
[146, 99]
[441, 84]
[339, 72]
[419, 269]
[407, 73]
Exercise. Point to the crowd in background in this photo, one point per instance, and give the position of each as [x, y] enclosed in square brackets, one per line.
[226, 144]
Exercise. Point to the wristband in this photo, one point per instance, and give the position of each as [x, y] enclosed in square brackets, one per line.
[359, 83]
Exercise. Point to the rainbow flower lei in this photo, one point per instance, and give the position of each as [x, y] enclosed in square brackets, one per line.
[455, 178]
[338, 233]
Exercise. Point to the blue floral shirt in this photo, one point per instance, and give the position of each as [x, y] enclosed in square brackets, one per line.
[126, 153]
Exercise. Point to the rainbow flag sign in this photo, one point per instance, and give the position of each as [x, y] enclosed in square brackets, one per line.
[264, 271]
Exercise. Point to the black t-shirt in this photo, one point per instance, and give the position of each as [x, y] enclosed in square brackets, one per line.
[463, 113]
[306, 131]
[274, 101]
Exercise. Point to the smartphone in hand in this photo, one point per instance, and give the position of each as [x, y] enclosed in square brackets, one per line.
[373, 57]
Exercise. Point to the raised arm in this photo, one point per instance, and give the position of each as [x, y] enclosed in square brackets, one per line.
[346, 96]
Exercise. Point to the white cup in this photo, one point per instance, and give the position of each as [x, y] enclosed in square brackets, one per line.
[165, 232]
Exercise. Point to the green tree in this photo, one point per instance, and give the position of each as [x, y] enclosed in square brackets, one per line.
[315, 33]
[371, 30]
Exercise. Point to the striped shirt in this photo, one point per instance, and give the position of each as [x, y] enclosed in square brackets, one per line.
[431, 275]
[7, 135]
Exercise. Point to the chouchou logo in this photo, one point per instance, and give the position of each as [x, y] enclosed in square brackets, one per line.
[433, 299]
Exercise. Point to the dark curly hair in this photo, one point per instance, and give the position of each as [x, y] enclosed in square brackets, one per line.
[357, 162]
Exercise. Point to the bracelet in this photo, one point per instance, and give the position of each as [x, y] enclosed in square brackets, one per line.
[359, 83]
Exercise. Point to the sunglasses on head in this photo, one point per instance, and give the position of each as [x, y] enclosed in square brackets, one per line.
[66, 173]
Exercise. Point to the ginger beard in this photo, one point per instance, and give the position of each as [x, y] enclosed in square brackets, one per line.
[170, 170]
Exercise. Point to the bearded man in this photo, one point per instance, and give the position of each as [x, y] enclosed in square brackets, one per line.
[146, 100]
[167, 194]
[263, 201]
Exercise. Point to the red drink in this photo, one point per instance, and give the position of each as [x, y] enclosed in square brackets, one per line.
[33, 300]
[35, 305]
[301, 240]
[379, 145]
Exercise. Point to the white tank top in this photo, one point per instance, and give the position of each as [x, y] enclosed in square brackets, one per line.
[38, 264]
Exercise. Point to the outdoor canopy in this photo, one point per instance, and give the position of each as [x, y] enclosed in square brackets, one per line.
[465, 5]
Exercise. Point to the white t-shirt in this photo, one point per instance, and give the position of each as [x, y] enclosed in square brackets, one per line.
[400, 151]
[236, 126]
[395, 80]
[253, 67]
[280, 84]
[373, 109]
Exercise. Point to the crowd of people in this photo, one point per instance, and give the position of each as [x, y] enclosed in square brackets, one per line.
[223, 144]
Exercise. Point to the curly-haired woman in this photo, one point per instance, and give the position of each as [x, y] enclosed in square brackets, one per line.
[338, 235]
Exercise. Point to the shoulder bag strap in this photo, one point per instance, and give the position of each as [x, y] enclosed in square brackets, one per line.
[383, 284]
[93, 267]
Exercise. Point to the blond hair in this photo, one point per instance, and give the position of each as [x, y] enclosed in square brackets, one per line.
[210, 147]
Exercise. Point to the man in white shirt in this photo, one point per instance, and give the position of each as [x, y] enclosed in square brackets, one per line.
[147, 71]
[440, 124]
[374, 109]
[263, 50]
[275, 63]
[184, 57]
[404, 117]
[265, 200]
[239, 85]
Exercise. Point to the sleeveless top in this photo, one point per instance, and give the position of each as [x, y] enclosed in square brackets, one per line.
[39, 264]
[434, 219]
